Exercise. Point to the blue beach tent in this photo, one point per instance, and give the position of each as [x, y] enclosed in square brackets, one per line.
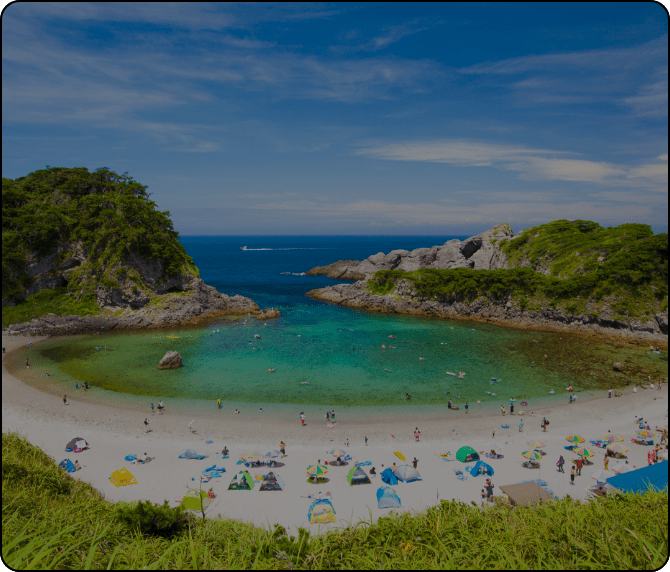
[387, 498]
[654, 477]
[388, 477]
[67, 465]
[481, 468]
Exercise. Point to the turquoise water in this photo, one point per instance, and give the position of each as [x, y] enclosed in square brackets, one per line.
[310, 349]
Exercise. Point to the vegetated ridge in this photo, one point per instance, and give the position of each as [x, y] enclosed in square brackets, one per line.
[564, 274]
[53, 521]
[82, 250]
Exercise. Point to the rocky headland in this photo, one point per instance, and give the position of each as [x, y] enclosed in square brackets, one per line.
[497, 302]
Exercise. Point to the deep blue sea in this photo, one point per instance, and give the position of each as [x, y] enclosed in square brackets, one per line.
[323, 355]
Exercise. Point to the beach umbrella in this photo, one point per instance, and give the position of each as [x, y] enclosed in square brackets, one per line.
[337, 453]
[533, 455]
[251, 455]
[646, 433]
[272, 454]
[537, 443]
[617, 448]
[317, 470]
[601, 476]
[613, 438]
[583, 452]
[621, 469]
[496, 446]
[574, 439]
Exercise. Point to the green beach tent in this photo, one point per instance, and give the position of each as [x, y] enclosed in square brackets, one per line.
[242, 481]
[357, 476]
[195, 500]
[467, 454]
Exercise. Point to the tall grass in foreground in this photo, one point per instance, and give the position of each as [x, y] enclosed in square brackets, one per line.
[50, 520]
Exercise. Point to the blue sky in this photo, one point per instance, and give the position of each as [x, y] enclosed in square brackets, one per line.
[434, 118]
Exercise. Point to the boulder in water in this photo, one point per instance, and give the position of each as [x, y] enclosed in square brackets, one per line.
[171, 360]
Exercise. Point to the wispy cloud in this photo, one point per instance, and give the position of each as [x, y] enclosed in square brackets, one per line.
[387, 36]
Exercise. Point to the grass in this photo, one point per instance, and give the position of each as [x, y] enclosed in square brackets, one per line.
[52, 521]
[56, 301]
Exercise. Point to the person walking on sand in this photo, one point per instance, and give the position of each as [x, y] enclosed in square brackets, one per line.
[415, 462]
[489, 488]
[27, 364]
[561, 462]
[64, 400]
[152, 408]
[493, 436]
[332, 416]
[282, 448]
[327, 415]
[580, 462]
[572, 475]
[502, 410]
[609, 393]
[302, 418]
[366, 441]
[466, 407]
[218, 403]
[607, 460]
[511, 409]
[521, 426]
[417, 434]
[146, 425]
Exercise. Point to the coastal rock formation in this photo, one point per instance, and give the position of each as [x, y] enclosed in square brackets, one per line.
[618, 366]
[171, 360]
[268, 314]
[481, 252]
[503, 312]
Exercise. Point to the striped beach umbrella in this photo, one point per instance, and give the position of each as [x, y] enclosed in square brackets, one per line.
[584, 452]
[272, 454]
[533, 455]
[617, 448]
[613, 438]
[645, 433]
[251, 455]
[537, 443]
[574, 439]
[317, 470]
[337, 453]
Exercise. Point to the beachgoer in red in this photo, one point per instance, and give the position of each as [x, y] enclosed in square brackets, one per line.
[580, 461]
[417, 433]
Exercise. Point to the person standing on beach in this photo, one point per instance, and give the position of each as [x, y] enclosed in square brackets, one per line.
[282, 448]
[561, 462]
[27, 364]
[152, 408]
[466, 407]
[415, 462]
[502, 410]
[146, 425]
[417, 434]
[64, 400]
[494, 434]
[521, 426]
[572, 475]
[332, 416]
[607, 460]
[489, 488]
[302, 418]
[218, 403]
[76, 385]
[366, 441]
[609, 393]
[511, 409]
[580, 462]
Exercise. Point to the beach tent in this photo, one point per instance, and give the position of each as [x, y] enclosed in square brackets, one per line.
[195, 500]
[388, 477]
[525, 494]
[654, 477]
[67, 465]
[407, 473]
[481, 468]
[242, 481]
[321, 510]
[191, 454]
[357, 476]
[387, 498]
[463, 453]
[77, 445]
[272, 482]
[122, 477]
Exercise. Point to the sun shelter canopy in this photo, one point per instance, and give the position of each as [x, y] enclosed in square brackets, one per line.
[191, 454]
[321, 510]
[195, 500]
[67, 465]
[467, 454]
[122, 477]
[272, 482]
[388, 477]
[481, 468]
[242, 481]
[387, 498]
[654, 477]
[357, 476]
[77, 445]
[407, 473]
[526, 494]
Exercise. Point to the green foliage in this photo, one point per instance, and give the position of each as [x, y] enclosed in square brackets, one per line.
[57, 301]
[110, 214]
[153, 519]
[79, 530]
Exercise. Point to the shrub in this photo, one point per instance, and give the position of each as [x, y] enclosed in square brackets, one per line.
[153, 519]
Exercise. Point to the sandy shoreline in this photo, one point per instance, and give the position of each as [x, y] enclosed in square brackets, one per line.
[114, 433]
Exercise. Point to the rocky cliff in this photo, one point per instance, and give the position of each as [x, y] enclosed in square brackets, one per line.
[480, 252]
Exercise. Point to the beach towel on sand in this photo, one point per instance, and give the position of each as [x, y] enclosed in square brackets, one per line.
[131, 457]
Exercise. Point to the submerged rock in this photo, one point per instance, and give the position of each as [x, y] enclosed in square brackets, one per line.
[171, 360]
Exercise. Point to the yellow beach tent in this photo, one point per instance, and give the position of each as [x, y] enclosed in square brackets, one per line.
[122, 477]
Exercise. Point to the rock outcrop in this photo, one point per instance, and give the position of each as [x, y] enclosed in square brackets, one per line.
[480, 252]
[171, 360]
[268, 314]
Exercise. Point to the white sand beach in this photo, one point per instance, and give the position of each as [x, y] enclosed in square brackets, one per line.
[114, 433]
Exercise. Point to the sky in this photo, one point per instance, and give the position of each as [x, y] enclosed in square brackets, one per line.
[349, 119]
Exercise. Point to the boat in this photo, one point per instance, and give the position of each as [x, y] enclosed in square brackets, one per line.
[243, 248]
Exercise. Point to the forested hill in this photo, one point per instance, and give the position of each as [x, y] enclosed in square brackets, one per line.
[75, 241]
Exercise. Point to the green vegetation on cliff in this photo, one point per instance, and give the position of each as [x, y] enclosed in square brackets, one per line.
[52, 521]
[84, 226]
[625, 267]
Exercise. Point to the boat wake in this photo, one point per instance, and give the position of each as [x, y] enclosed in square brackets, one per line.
[296, 248]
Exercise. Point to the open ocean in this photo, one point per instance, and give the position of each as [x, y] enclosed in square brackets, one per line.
[324, 356]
